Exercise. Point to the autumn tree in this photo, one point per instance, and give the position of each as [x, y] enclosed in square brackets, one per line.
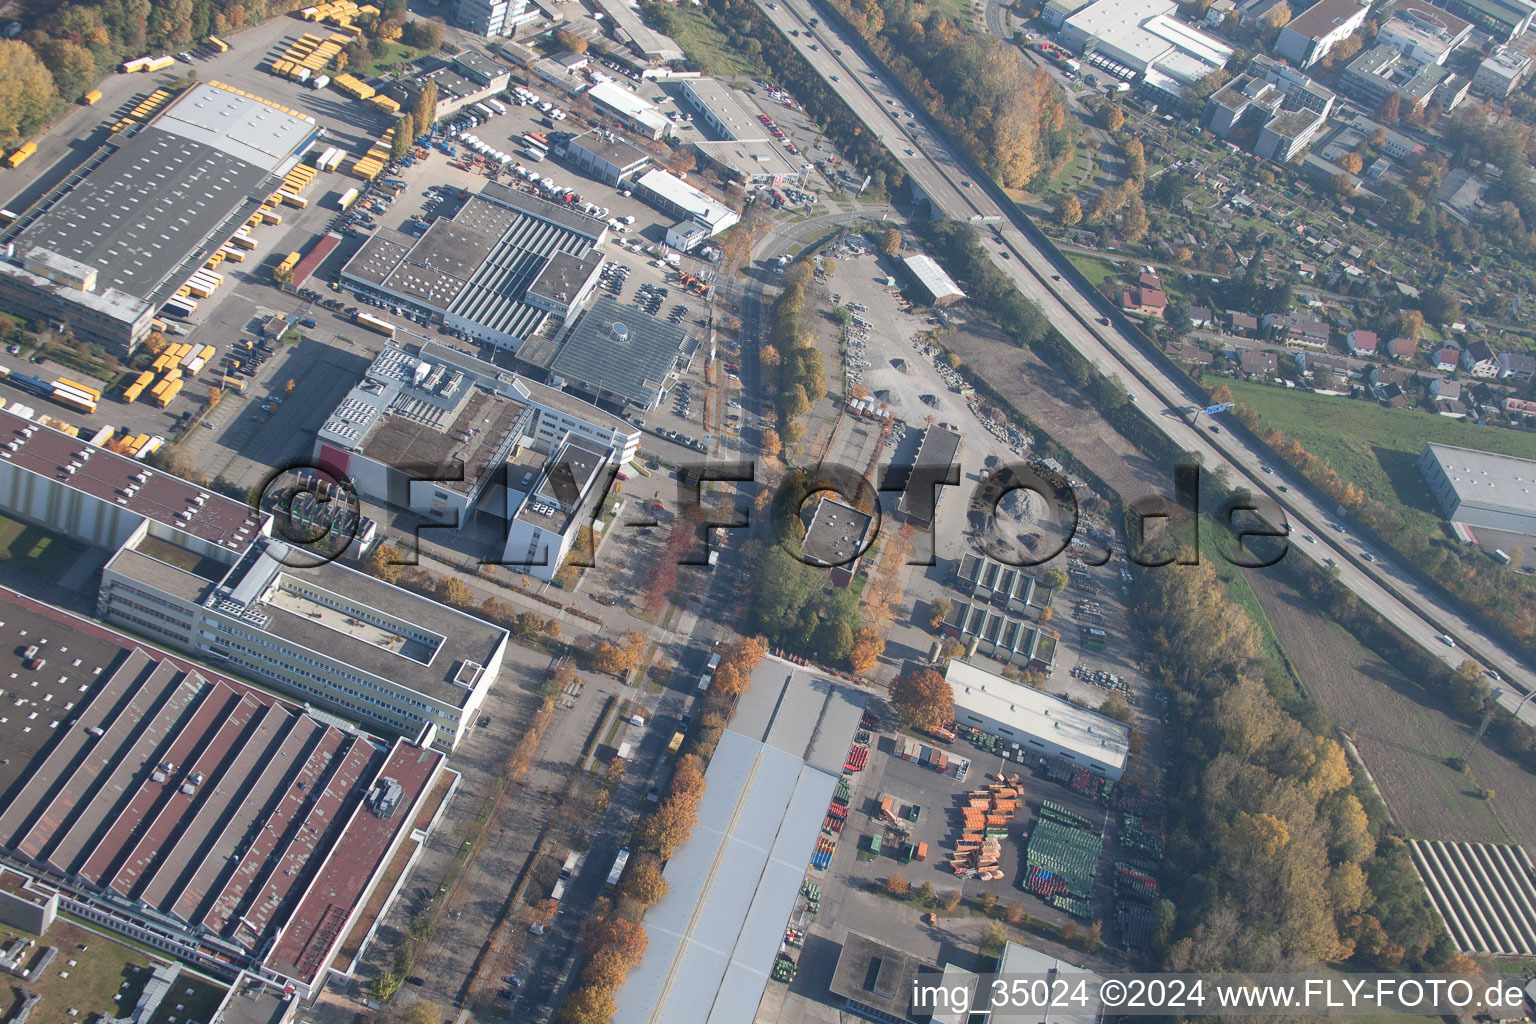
[772, 446]
[455, 591]
[1351, 163]
[571, 41]
[643, 882]
[1133, 221]
[616, 933]
[1069, 211]
[424, 110]
[666, 828]
[27, 92]
[949, 899]
[420, 1011]
[1135, 158]
[890, 241]
[608, 657]
[544, 911]
[587, 1005]
[1112, 116]
[746, 652]
[923, 699]
[897, 885]
[605, 969]
[384, 562]
[1388, 111]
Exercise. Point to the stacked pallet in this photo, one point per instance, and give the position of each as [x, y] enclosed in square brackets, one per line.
[984, 821]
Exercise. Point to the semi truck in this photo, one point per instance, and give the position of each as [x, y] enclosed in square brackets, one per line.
[617, 871]
[375, 324]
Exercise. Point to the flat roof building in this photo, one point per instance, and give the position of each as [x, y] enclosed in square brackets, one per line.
[938, 286]
[750, 161]
[619, 354]
[1020, 960]
[196, 813]
[107, 245]
[499, 271]
[639, 115]
[199, 571]
[919, 483]
[1130, 38]
[693, 207]
[1040, 723]
[1504, 20]
[720, 110]
[1500, 72]
[1423, 32]
[1481, 489]
[463, 79]
[835, 536]
[629, 27]
[734, 882]
[608, 157]
[1307, 38]
[876, 982]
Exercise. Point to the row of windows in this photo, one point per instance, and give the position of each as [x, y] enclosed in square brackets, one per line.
[325, 694]
[332, 670]
[330, 686]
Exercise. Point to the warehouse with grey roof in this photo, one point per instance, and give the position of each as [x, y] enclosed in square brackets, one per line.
[498, 271]
[937, 286]
[112, 241]
[619, 354]
[1496, 492]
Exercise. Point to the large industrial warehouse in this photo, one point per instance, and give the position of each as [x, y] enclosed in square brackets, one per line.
[497, 271]
[1481, 489]
[714, 936]
[111, 242]
[196, 813]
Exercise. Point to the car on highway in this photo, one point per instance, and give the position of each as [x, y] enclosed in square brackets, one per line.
[910, 152]
[1266, 469]
[1447, 640]
[835, 78]
[1309, 538]
[1283, 488]
[967, 184]
[1367, 556]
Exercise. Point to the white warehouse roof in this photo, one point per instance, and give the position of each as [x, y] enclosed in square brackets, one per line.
[1139, 33]
[699, 205]
[616, 97]
[932, 276]
[714, 936]
[1036, 713]
[1488, 479]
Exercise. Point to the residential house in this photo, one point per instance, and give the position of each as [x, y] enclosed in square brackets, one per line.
[1147, 301]
[1257, 362]
[1516, 366]
[1185, 352]
[1328, 373]
[1519, 407]
[1297, 330]
[1360, 343]
[1391, 395]
[1402, 348]
[1200, 316]
[1375, 373]
[1445, 388]
[1446, 358]
[1149, 279]
[1243, 324]
[1451, 407]
[1480, 360]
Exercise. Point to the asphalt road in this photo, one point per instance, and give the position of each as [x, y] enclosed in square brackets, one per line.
[1377, 577]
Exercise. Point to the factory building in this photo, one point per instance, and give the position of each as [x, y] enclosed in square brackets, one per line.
[700, 215]
[106, 246]
[201, 572]
[609, 158]
[1481, 489]
[1037, 722]
[192, 812]
[500, 271]
[1142, 39]
[459, 441]
[1307, 38]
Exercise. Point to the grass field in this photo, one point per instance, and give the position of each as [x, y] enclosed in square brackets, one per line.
[34, 550]
[1377, 448]
[704, 44]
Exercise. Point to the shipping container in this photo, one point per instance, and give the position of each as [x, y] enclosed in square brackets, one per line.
[557, 891]
[73, 398]
[244, 241]
[347, 198]
[179, 307]
[65, 382]
[292, 200]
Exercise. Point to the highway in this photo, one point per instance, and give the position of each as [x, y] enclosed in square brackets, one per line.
[1377, 577]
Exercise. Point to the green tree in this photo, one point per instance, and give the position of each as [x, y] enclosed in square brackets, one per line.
[1055, 578]
[1468, 688]
[420, 1011]
[424, 110]
[73, 67]
[400, 143]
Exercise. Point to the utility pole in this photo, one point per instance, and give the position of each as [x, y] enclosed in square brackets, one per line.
[1482, 727]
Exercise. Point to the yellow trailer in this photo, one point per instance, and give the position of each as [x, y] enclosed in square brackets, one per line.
[91, 97]
[19, 157]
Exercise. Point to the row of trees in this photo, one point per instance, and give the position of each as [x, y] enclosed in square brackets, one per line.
[1008, 113]
[1280, 866]
[791, 360]
[614, 940]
